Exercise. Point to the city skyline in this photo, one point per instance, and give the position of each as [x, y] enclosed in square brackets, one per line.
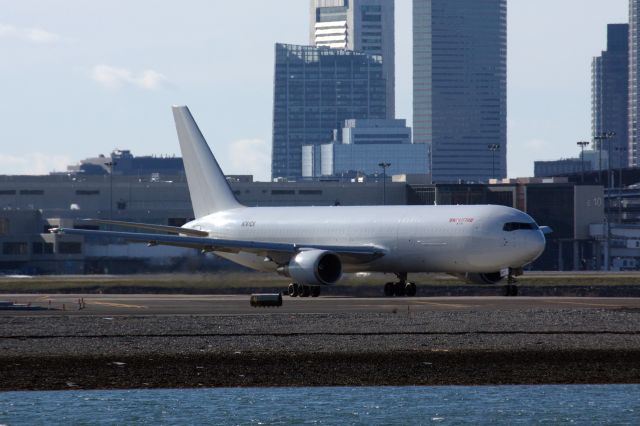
[315, 90]
[363, 25]
[610, 100]
[634, 93]
[88, 78]
[460, 87]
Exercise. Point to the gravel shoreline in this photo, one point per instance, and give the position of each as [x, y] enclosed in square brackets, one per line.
[308, 369]
[534, 346]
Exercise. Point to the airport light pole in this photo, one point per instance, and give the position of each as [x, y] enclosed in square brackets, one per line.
[621, 160]
[620, 156]
[582, 144]
[384, 181]
[111, 164]
[601, 138]
[493, 148]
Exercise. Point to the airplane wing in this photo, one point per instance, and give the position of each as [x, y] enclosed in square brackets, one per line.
[149, 227]
[278, 252]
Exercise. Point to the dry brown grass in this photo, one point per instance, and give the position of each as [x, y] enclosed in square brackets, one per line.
[204, 282]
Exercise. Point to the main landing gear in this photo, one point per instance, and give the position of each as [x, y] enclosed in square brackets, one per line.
[301, 290]
[511, 289]
[400, 288]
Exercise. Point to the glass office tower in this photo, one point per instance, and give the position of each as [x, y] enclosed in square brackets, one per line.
[362, 25]
[460, 87]
[634, 87]
[315, 91]
[610, 96]
[363, 146]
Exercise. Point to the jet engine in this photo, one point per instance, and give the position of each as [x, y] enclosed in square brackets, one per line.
[487, 278]
[314, 267]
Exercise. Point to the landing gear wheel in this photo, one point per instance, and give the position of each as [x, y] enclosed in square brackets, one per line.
[399, 289]
[315, 291]
[389, 289]
[410, 289]
[293, 290]
[305, 291]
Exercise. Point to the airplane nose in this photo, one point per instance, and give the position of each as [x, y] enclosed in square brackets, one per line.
[536, 244]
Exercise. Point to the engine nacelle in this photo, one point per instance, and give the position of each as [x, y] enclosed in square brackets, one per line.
[314, 267]
[486, 278]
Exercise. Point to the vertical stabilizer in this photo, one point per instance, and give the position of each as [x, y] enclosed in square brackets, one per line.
[209, 189]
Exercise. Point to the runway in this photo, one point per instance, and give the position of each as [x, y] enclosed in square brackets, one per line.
[89, 305]
[142, 341]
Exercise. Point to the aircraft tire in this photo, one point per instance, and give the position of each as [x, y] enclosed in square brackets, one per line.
[305, 291]
[315, 291]
[293, 290]
[399, 289]
[410, 289]
[389, 289]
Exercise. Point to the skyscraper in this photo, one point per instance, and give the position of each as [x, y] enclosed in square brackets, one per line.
[315, 91]
[460, 87]
[634, 84]
[361, 25]
[610, 96]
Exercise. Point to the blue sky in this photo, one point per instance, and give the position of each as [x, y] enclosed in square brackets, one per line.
[79, 78]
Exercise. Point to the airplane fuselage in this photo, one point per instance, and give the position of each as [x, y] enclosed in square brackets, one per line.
[314, 245]
[453, 239]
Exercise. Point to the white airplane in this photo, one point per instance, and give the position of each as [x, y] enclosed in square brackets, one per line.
[314, 246]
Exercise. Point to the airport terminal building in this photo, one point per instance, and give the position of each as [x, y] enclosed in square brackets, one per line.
[30, 205]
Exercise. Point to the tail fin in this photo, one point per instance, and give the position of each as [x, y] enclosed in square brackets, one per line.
[209, 189]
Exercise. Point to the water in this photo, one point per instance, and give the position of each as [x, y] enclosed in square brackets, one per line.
[551, 405]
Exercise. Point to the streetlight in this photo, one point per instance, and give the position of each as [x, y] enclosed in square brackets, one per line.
[384, 181]
[582, 144]
[602, 137]
[621, 157]
[111, 164]
[493, 147]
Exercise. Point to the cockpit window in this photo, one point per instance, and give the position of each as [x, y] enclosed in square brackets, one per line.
[515, 226]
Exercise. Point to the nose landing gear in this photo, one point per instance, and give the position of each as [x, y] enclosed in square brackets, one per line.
[511, 289]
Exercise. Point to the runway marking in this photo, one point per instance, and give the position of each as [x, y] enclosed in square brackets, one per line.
[116, 305]
[448, 305]
[600, 305]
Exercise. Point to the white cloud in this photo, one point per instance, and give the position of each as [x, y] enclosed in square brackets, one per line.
[32, 35]
[250, 156]
[115, 78]
[35, 163]
[151, 79]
